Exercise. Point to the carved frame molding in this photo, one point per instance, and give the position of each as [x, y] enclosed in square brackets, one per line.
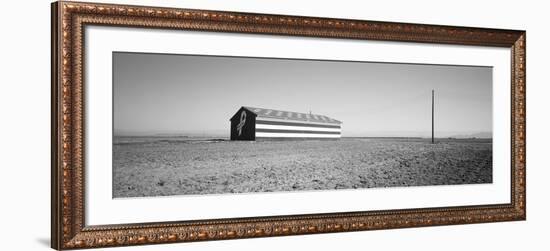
[68, 22]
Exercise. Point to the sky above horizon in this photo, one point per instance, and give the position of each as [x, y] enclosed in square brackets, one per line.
[196, 95]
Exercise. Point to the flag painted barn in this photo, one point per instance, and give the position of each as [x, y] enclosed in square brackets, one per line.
[251, 123]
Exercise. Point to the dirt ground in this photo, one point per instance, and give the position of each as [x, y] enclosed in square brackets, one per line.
[149, 166]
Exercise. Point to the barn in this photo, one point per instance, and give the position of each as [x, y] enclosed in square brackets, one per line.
[251, 123]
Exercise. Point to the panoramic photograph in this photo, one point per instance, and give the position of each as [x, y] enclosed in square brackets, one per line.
[201, 124]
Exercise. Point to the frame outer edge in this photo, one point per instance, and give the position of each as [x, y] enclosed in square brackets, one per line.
[523, 41]
[55, 226]
[525, 121]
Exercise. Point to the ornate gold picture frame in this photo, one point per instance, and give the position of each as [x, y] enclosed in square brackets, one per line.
[69, 230]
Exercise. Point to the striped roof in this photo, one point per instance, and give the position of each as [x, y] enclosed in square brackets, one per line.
[278, 114]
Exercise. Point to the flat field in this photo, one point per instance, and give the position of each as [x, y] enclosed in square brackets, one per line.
[159, 166]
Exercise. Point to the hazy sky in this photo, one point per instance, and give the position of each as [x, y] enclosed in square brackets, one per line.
[157, 93]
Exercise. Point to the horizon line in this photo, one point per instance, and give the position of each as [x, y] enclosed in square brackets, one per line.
[215, 137]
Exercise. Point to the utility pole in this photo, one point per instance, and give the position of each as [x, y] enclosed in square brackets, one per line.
[432, 116]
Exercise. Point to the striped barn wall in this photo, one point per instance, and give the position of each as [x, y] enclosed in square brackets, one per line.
[283, 128]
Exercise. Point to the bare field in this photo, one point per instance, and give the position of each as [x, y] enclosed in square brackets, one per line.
[157, 166]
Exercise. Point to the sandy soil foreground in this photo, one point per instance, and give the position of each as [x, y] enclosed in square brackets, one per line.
[177, 166]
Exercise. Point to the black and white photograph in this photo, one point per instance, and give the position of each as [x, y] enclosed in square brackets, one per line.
[210, 125]
[205, 124]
